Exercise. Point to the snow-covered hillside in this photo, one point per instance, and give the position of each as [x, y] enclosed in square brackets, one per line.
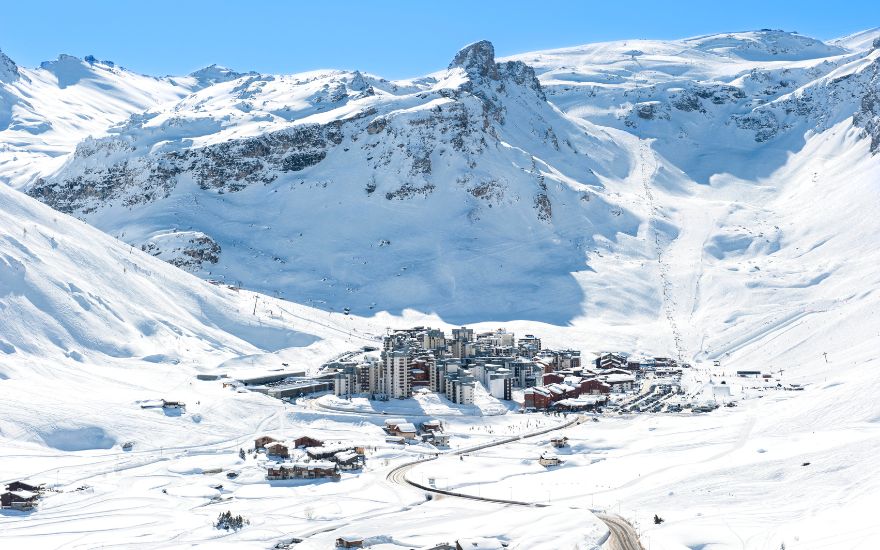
[45, 112]
[88, 317]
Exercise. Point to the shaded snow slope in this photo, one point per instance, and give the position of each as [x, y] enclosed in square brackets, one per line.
[102, 328]
[70, 291]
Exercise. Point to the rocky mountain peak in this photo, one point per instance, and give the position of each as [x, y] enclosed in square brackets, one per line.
[478, 60]
[215, 74]
[8, 69]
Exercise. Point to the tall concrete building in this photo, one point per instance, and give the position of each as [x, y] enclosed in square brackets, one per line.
[396, 373]
[460, 388]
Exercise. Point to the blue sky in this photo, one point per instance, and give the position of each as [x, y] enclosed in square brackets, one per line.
[392, 39]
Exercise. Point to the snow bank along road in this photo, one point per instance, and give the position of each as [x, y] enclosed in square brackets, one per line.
[622, 536]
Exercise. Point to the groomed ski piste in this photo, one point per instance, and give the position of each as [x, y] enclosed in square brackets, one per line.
[769, 267]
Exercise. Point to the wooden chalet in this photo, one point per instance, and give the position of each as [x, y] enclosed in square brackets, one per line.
[264, 440]
[278, 449]
[19, 500]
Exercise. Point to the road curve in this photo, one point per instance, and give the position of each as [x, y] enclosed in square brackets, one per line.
[622, 535]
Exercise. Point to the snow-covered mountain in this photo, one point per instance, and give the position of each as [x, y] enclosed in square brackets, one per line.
[45, 112]
[713, 103]
[475, 192]
[712, 198]
[349, 191]
[598, 186]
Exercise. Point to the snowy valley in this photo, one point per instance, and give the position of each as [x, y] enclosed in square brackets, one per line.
[712, 200]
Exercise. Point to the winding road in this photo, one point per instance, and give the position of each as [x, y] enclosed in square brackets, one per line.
[622, 535]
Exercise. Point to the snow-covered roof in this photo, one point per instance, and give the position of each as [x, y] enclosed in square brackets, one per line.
[313, 465]
[406, 427]
[346, 456]
[619, 378]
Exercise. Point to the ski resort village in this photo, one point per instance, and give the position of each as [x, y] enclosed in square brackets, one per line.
[621, 295]
[491, 367]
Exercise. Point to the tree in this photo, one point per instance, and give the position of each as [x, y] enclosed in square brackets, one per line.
[227, 521]
[241, 454]
[658, 520]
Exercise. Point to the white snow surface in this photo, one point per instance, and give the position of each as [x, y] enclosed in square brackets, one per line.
[712, 198]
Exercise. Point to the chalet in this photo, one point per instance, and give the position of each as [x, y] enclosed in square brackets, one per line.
[348, 460]
[302, 470]
[619, 382]
[552, 378]
[173, 404]
[348, 542]
[611, 361]
[592, 386]
[328, 451]
[407, 430]
[22, 486]
[19, 500]
[278, 449]
[306, 441]
[440, 440]
[559, 442]
[538, 398]
[262, 441]
[432, 426]
[549, 459]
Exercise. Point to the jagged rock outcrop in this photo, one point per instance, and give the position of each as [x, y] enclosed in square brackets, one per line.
[868, 116]
[188, 250]
[8, 69]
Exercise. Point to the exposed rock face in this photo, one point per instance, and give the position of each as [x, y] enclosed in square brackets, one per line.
[478, 61]
[868, 117]
[226, 167]
[8, 69]
[116, 170]
[188, 250]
